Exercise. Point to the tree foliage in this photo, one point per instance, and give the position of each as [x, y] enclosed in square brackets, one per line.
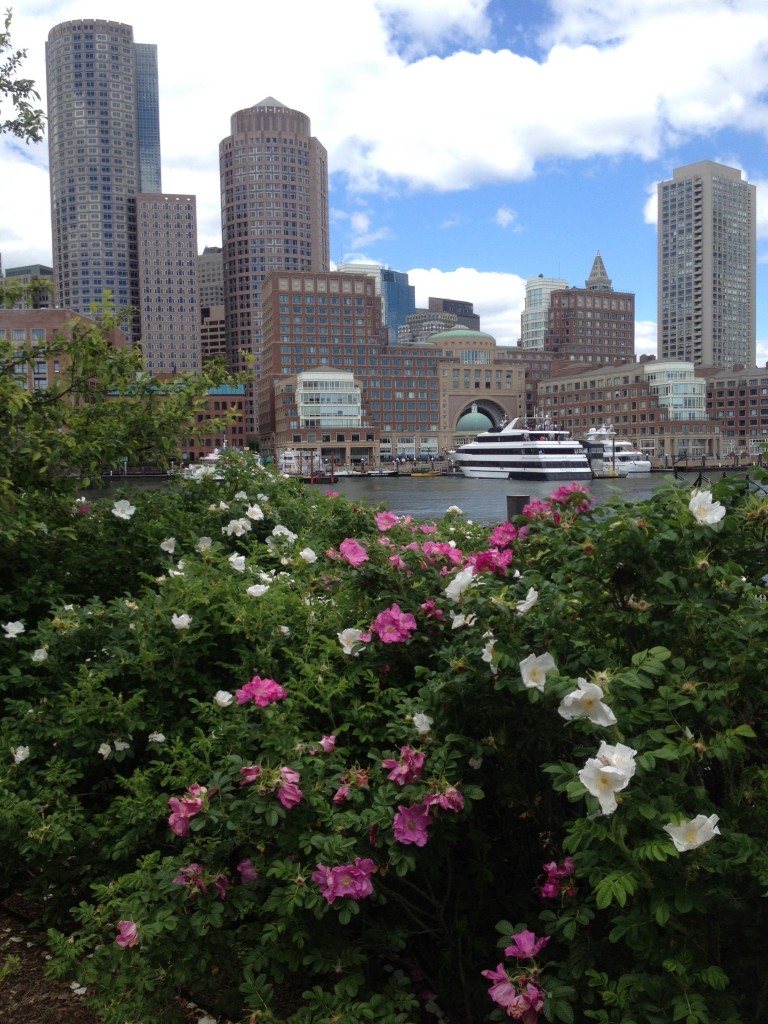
[25, 121]
[100, 410]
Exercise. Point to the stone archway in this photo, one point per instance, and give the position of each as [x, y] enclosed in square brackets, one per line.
[476, 416]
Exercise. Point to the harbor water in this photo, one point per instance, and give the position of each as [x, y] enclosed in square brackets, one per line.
[483, 501]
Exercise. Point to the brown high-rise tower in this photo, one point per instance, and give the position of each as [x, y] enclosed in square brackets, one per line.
[274, 216]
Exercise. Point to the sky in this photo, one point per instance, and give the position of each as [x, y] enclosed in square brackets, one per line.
[471, 143]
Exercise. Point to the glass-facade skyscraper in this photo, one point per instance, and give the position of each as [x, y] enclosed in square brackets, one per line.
[707, 256]
[148, 117]
[104, 148]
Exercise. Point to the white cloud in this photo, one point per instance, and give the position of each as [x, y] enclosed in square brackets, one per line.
[591, 98]
[424, 97]
[651, 205]
[361, 233]
[645, 338]
[506, 217]
[497, 298]
[423, 26]
[762, 205]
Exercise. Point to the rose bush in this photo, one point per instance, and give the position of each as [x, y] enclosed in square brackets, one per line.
[308, 759]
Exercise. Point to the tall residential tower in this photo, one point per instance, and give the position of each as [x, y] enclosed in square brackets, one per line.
[274, 216]
[104, 148]
[706, 266]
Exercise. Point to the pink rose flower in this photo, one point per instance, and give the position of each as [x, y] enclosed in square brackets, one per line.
[450, 800]
[503, 535]
[191, 876]
[247, 871]
[410, 825]
[288, 792]
[184, 808]
[261, 691]
[128, 934]
[386, 520]
[407, 769]
[393, 626]
[250, 774]
[525, 945]
[350, 881]
[353, 552]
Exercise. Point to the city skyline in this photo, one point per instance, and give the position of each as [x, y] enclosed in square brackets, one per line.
[472, 143]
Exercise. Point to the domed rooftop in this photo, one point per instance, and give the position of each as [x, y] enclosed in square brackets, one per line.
[462, 334]
[474, 422]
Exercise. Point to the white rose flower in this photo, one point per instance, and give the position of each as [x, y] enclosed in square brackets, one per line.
[241, 496]
[169, 545]
[122, 745]
[237, 562]
[586, 702]
[236, 527]
[422, 723]
[40, 654]
[181, 621]
[105, 750]
[530, 600]
[349, 639]
[156, 737]
[704, 509]
[689, 835]
[13, 629]
[282, 531]
[457, 621]
[254, 512]
[460, 582]
[19, 754]
[608, 773]
[534, 670]
[123, 509]
[204, 544]
[223, 698]
[257, 590]
[308, 555]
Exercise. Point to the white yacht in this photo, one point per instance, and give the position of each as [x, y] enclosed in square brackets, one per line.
[602, 444]
[519, 451]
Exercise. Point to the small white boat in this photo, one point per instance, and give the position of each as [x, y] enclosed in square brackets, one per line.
[516, 451]
[602, 444]
[295, 462]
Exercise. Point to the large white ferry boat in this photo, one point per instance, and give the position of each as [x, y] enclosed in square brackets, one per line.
[517, 451]
[602, 444]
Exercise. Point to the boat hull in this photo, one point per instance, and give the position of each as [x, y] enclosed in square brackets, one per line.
[561, 475]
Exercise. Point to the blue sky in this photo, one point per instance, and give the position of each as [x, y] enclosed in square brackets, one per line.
[472, 143]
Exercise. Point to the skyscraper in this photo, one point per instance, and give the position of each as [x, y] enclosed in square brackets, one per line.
[398, 297]
[533, 319]
[166, 228]
[707, 258]
[104, 148]
[593, 324]
[274, 216]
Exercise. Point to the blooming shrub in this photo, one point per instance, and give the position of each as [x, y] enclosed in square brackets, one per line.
[315, 788]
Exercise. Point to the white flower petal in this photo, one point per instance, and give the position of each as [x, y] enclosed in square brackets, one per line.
[534, 670]
[689, 835]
